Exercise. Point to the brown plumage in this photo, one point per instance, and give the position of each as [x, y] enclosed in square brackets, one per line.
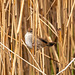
[40, 41]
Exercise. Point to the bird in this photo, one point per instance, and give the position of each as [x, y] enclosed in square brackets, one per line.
[40, 41]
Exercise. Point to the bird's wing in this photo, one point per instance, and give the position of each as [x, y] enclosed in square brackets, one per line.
[42, 43]
[46, 43]
[43, 40]
[51, 43]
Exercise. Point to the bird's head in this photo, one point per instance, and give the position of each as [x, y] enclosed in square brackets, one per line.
[30, 29]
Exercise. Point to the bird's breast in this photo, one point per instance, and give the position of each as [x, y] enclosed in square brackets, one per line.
[28, 40]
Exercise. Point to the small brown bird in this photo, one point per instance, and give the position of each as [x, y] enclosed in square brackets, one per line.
[40, 41]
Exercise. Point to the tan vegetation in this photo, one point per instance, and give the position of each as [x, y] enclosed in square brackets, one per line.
[51, 19]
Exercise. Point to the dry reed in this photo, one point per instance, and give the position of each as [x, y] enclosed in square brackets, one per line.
[52, 20]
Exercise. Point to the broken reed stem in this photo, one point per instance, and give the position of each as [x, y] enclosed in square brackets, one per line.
[48, 18]
[50, 7]
[54, 30]
[49, 27]
[31, 54]
[27, 48]
[48, 23]
[21, 58]
[7, 5]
